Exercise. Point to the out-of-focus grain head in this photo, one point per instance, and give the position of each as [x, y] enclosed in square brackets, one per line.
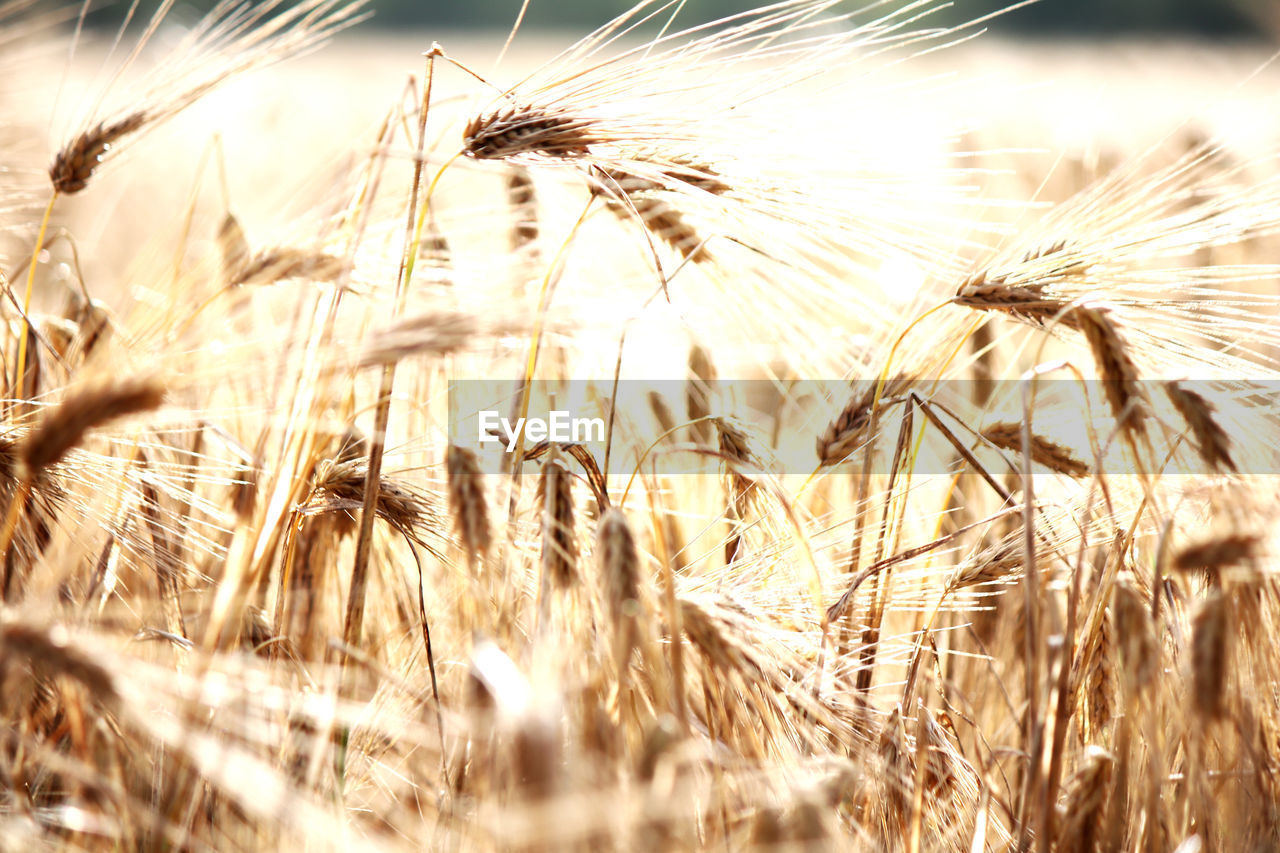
[467, 501]
[1210, 635]
[64, 427]
[559, 543]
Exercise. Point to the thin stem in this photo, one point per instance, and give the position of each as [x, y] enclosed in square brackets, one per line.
[12, 515]
[353, 625]
[31, 279]
[544, 305]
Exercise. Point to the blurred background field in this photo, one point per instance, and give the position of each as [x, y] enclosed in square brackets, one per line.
[1049, 109]
[1217, 18]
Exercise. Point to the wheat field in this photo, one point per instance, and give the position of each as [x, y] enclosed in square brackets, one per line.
[932, 505]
